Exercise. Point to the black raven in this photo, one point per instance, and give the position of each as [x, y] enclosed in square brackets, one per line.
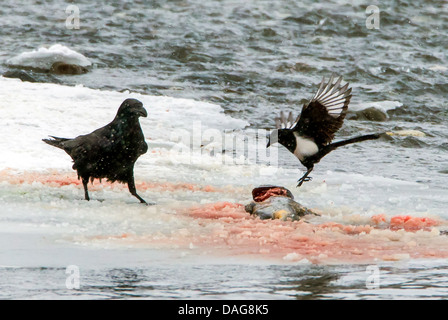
[309, 136]
[111, 151]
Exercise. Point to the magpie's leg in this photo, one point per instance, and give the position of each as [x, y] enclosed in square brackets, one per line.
[305, 177]
[85, 182]
[133, 190]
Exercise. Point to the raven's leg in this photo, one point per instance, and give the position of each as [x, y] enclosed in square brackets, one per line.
[133, 190]
[305, 177]
[85, 182]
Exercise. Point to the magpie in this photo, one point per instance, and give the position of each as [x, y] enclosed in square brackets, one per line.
[111, 151]
[309, 136]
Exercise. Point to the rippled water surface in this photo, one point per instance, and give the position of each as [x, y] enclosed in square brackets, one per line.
[255, 58]
[222, 281]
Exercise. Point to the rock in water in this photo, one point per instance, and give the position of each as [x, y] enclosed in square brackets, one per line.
[67, 68]
[370, 114]
[19, 74]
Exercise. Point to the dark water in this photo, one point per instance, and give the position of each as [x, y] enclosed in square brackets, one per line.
[417, 281]
[255, 58]
[251, 57]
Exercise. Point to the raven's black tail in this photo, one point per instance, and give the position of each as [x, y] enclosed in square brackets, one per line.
[338, 144]
[56, 142]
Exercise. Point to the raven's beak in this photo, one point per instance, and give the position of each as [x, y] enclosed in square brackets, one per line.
[142, 112]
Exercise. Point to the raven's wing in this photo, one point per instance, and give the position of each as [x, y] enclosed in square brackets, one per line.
[91, 147]
[106, 143]
[324, 114]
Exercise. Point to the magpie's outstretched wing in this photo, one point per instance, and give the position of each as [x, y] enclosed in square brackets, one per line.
[324, 114]
[284, 122]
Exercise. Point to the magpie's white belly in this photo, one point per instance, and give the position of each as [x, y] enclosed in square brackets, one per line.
[305, 147]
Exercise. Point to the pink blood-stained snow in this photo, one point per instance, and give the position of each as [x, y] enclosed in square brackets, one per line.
[55, 178]
[400, 237]
[52, 178]
[219, 210]
[410, 223]
[224, 229]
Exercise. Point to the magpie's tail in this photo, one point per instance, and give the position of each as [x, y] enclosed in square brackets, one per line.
[56, 142]
[338, 144]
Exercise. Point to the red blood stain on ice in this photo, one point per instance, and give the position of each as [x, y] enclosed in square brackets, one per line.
[52, 178]
[58, 179]
[401, 237]
[168, 186]
[406, 222]
[379, 218]
[218, 210]
[410, 223]
[224, 228]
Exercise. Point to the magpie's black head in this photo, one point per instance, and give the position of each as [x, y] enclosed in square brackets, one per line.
[283, 136]
[131, 108]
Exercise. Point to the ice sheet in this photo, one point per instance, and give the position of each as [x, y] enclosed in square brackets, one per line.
[200, 197]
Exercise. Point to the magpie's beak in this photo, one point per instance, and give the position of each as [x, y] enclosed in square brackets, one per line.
[272, 138]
